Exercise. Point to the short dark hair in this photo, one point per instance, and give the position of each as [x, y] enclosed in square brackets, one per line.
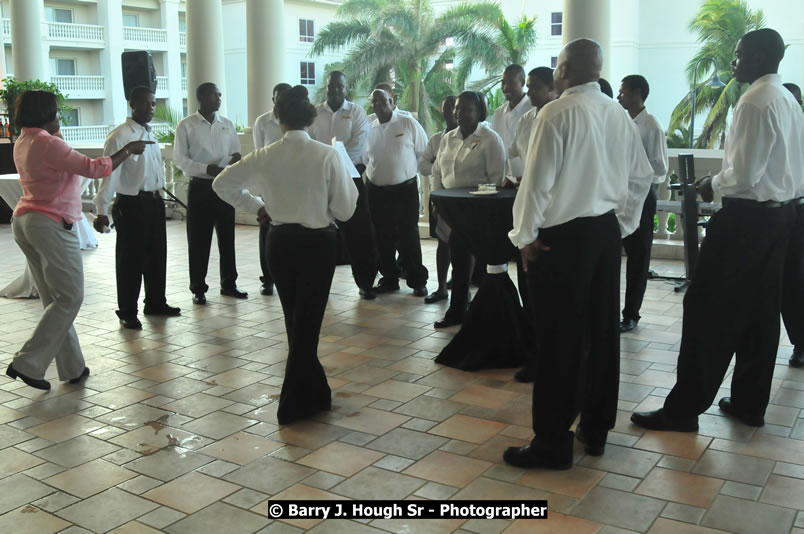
[294, 109]
[635, 81]
[138, 92]
[605, 87]
[281, 88]
[518, 69]
[33, 109]
[766, 41]
[480, 100]
[334, 73]
[543, 74]
[203, 88]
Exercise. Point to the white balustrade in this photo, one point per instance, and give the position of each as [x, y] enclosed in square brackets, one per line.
[183, 39]
[7, 27]
[145, 35]
[161, 86]
[75, 32]
[184, 85]
[85, 134]
[78, 84]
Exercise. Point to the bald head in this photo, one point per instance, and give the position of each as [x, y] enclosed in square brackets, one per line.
[579, 62]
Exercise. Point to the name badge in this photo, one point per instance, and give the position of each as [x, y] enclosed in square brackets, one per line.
[399, 134]
[346, 116]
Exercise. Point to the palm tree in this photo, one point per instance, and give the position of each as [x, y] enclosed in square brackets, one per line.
[404, 41]
[720, 24]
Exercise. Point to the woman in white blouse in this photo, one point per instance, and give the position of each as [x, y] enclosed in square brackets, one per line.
[305, 187]
[469, 155]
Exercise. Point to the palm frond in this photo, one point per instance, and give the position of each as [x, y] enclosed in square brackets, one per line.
[360, 8]
[339, 34]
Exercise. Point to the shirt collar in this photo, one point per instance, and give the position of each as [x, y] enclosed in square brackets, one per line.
[346, 106]
[136, 126]
[523, 102]
[768, 78]
[296, 134]
[583, 88]
[641, 116]
[200, 117]
[38, 132]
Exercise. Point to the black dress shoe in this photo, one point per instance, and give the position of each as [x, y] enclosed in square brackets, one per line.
[387, 287]
[267, 290]
[750, 420]
[234, 292]
[420, 291]
[447, 321]
[797, 358]
[627, 325]
[164, 310]
[593, 445]
[525, 375]
[435, 296]
[199, 298]
[84, 374]
[33, 382]
[658, 420]
[556, 455]
[368, 294]
[131, 323]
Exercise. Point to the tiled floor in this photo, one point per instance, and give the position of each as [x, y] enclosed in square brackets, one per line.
[176, 431]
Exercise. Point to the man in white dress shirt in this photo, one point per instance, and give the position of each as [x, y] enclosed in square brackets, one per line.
[507, 116]
[732, 304]
[585, 157]
[138, 213]
[205, 143]
[346, 122]
[395, 144]
[634, 92]
[266, 131]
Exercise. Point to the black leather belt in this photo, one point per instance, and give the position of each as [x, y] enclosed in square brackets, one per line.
[748, 203]
[395, 186]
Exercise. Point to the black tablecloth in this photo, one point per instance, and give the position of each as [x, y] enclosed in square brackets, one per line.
[495, 333]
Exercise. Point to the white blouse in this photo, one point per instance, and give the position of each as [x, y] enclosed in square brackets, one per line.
[478, 159]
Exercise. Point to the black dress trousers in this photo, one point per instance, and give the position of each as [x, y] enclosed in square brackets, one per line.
[302, 262]
[358, 234]
[140, 251]
[637, 247]
[793, 286]
[577, 284]
[266, 277]
[732, 307]
[205, 211]
[395, 214]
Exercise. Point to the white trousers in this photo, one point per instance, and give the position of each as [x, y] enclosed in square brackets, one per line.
[54, 258]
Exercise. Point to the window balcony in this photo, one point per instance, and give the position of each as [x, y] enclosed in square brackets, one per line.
[63, 34]
[85, 134]
[7, 30]
[162, 86]
[183, 40]
[145, 38]
[80, 87]
[184, 85]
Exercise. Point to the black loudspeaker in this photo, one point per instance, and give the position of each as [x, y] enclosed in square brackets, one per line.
[138, 70]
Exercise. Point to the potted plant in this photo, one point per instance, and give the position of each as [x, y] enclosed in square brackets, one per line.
[13, 88]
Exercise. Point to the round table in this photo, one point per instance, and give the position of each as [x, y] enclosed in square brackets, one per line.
[494, 333]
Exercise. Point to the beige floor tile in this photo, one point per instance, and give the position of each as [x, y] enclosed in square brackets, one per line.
[119, 397]
[191, 492]
[91, 478]
[685, 445]
[398, 391]
[299, 492]
[677, 486]
[107, 510]
[776, 448]
[447, 468]
[65, 428]
[31, 520]
[197, 405]
[419, 526]
[555, 523]
[469, 429]
[134, 527]
[309, 434]
[667, 526]
[236, 378]
[163, 372]
[13, 461]
[341, 458]
[147, 440]
[241, 448]
[784, 491]
[576, 482]
[372, 421]
[372, 481]
[484, 396]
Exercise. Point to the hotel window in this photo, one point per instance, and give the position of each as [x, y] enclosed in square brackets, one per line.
[71, 118]
[556, 20]
[307, 73]
[306, 31]
[62, 67]
[131, 21]
[553, 62]
[54, 14]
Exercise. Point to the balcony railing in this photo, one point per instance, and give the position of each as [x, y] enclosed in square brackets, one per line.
[85, 134]
[151, 36]
[183, 39]
[7, 27]
[184, 85]
[159, 128]
[75, 32]
[162, 85]
[76, 85]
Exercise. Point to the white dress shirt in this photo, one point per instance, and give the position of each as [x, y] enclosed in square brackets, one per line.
[478, 159]
[301, 181]
[394, 149]
[266, 130]
[145, 172]
[763, 157]
[585, 159]
[348, 124]
[520, 142]
[430, 152]
[373, 116]
[504, 122]
[198, 144]
[654, 140]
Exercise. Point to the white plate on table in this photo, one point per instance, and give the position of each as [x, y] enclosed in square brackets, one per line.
[482, 193]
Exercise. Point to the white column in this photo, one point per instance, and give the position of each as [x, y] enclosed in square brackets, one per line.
[590, 19]
[110, 16]
[29, 40]
[265, 31]
[170, 21]
[204, 49]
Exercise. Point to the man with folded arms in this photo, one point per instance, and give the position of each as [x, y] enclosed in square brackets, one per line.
[732, 305]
